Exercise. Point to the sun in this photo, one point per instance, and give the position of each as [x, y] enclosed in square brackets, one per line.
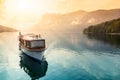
[25, 6]
[24, 12]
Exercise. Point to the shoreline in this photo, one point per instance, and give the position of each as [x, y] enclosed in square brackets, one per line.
[102, 33]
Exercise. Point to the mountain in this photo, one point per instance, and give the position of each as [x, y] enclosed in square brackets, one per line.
[99, 16]
[76, 21]
[6, 29]
[112, 26]
[62, 19]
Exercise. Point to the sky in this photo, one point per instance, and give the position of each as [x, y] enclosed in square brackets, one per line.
[63, 6]
[27, 12]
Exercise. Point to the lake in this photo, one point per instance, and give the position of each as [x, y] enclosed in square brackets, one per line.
[69, 56]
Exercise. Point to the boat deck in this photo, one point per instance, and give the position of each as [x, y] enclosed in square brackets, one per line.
[31, 37]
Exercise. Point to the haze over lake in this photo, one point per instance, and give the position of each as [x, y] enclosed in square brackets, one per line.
[69, 56]
[80, 39]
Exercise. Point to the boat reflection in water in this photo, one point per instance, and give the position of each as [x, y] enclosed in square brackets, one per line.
[35, 69]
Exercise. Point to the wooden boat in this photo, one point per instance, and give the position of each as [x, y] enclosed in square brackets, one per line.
[32, 45]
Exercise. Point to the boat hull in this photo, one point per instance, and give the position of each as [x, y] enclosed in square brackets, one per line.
[37, 55]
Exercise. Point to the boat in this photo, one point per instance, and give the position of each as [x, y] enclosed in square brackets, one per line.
[32, 45]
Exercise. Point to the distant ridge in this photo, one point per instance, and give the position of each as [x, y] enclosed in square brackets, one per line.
[99, 16]
[75, 21]
[76, 12]
[6, 29]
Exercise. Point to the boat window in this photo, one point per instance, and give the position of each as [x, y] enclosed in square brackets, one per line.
[21, 41]
[24, 43]
[40, 43]
[28, 44]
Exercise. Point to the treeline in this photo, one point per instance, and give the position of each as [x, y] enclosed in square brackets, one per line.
[112, 26]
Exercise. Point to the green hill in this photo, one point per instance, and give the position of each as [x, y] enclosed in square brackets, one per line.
[6, 29]
[112, 26]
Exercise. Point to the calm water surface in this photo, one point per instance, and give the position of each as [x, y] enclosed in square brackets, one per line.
[69, 56]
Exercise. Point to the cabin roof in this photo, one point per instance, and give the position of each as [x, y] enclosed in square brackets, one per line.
[31, 37]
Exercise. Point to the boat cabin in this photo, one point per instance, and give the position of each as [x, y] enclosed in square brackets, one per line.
[32, 42]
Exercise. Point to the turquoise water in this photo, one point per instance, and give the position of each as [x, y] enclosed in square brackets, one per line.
[69, 56]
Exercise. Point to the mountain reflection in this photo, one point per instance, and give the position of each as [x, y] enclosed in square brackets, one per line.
[32, 67]
[113, 40]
